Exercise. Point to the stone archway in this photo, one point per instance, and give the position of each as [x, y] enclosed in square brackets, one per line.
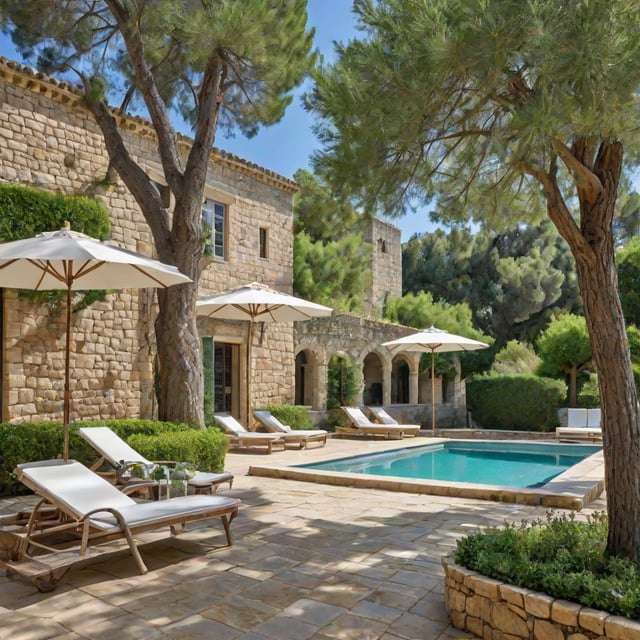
[400, 385]
[373, 382]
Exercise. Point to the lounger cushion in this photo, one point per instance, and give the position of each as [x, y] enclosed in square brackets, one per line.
[271, 422]
[75, 488]
[233, 427]
[146, 514]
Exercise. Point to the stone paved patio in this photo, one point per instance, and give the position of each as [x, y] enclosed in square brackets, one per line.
[309, 562]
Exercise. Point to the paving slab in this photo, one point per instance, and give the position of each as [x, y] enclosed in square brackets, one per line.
[310, 561]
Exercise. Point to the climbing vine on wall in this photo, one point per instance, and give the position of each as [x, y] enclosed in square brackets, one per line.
[26, 212]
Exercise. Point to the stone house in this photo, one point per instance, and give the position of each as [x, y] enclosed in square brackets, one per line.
[50, 141]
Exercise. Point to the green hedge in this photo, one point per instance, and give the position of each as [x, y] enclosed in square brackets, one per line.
[206, 449]
[523, 402]
[295, 416]
[153, 439]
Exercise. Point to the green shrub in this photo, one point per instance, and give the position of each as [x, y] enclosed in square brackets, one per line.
[560, 557]
[205, 449]
[26, 211]
[523, 402]
[294, 416]
[589, 394]
[44, 441]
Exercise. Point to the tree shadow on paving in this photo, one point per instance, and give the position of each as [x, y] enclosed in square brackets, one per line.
[296, 549]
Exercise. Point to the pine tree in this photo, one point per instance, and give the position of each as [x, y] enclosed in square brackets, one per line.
[505, 110]
[218, 64]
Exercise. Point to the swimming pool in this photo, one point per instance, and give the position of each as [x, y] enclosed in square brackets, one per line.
[573, 488]
[503, 463]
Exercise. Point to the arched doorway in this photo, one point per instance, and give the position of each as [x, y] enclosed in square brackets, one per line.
[372, 393]
[304, 380]
[400, 382]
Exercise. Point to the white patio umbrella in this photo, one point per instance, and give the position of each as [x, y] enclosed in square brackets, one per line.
[75, 262]
[434, 341]
[255, 302]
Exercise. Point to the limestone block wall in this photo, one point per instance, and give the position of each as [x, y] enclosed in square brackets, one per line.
[494, 610]
[48, 140]
[109, 363]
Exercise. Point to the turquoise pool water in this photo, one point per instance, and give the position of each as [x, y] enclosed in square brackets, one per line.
[510, 464]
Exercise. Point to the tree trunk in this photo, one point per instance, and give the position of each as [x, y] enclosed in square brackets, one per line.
[178, 241]
[181, 385]
[618, 399]
[594, 252]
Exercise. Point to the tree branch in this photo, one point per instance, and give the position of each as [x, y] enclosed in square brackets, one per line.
[585, 179]
[557, 209]
[134, 177]
[155, 104]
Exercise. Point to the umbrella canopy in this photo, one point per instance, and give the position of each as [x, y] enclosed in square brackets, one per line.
[256, 302]
[73, 261]
[434, 341]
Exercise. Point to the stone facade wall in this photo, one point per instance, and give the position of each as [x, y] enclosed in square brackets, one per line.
[386, 266]
[48, 140]
[493, 610]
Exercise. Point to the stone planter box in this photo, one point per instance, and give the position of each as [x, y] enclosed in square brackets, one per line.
[494, 610]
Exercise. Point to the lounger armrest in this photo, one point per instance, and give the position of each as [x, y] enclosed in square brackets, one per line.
[131, 487]
[124, 527]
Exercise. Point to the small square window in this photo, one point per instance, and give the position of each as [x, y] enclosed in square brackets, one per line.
[264, 236]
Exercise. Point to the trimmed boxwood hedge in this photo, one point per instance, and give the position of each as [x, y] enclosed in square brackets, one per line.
[516, 402]
[155, 440]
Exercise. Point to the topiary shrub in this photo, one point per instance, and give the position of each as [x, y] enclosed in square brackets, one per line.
[296, 417]
[522, 402]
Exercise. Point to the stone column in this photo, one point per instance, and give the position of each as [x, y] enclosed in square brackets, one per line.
[386, 382]
[320, 384]
[413, 382]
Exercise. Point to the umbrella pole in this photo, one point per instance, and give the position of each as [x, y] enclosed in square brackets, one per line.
[249, 348]
[67, 392]
[433, 393]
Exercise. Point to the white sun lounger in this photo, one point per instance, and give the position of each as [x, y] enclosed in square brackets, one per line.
[364, 426]
[582, 424]
[91, 519]
[384, 418]
[122, 458]
[300, 437]
[239, 437]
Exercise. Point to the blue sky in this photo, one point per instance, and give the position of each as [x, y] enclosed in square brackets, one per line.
[288, 145]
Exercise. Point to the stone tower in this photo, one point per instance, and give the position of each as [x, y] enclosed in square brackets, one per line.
[386, 266]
